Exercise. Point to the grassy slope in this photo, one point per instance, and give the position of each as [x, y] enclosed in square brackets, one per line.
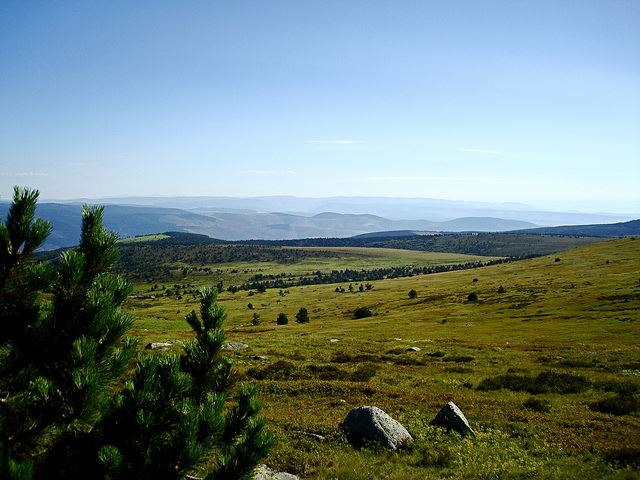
[355, 258]
[582, 310]
[145, 238]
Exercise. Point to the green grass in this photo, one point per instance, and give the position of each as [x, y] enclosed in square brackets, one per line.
[576, 317]
[353, 258]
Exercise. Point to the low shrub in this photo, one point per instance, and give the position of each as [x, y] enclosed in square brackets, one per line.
[537, 404]
[472, 297]
[618, 405]
[364, 373]
[517, 383]
[556, 382]
[624, 457]
[362, 312]
[617, 386]
[280, 370]
[327, 372]
[545, 382]
[437, 354]
[342, 357]
[457, 369]
[459, 359]
[435, 456]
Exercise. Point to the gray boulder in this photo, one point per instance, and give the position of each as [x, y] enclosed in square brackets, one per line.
[263, 472]
[157, 346]
[235, 346]
[452, 418]
[373, 424]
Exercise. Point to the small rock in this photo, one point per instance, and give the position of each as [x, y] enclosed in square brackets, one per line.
[258, 357]
[158, 346]
[373, 424]
[396, 339]
[235, 346]
[452, 418]
[263, 472]
[315, 436]
[334, 340]
[413, 349]
[176, 342]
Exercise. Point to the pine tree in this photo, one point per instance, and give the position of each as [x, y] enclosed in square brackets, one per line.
[64, 358]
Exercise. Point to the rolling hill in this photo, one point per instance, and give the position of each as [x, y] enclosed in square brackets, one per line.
[129, 221]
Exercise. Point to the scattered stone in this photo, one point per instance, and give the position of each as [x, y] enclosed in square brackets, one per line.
[315, 436]
[258, 357]
[176, 342]
[396, 339]
[235, 346]
[334, 340]
[158, 346]
[452, 418]
[413, 349]
[263, 472]
[373, 424]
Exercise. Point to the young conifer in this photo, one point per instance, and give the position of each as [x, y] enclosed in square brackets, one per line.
[64, 412]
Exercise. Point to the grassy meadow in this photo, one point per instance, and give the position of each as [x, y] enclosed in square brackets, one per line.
[545, 364]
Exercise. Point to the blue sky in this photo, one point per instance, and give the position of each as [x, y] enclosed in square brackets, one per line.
[506, 101]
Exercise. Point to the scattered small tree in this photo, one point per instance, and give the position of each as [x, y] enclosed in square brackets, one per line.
[472, 297]
[413, 294]
[255, 320]
[302, 316]
[501, 289]
[282, 319]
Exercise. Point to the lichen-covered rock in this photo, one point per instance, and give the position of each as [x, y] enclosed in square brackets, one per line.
[413, 349]
[263, 472]
[452, 418]
[372, 424]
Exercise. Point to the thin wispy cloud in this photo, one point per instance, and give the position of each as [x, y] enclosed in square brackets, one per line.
[274, 173]
[336, 142]
[24, 174]
[481, 150]
[81, 164]
[424, 178]
[414, 178]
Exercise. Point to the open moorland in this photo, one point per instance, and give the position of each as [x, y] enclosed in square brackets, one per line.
[544, 360]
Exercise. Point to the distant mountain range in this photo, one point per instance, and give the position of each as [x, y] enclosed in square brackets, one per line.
[236, 219]
[130, 221]
[436, 210]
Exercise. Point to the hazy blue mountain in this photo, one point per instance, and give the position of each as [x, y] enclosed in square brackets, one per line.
[126, 221]
[130, 221]
[391, 208]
